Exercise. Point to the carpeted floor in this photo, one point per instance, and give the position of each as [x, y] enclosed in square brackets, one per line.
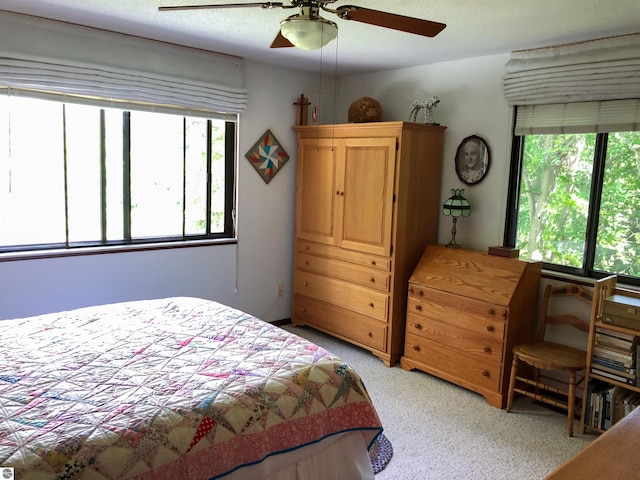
[441, 431]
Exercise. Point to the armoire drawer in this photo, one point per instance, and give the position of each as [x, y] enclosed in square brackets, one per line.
[488, 347]
[364, 259]
[343, 294]
[367, 277]
[460, 315]
[453, 363]
[339, 321]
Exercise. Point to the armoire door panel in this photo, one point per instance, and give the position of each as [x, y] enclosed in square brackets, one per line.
[316, 191]
[368, 195]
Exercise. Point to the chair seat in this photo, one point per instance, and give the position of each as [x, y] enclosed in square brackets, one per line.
[552, 356]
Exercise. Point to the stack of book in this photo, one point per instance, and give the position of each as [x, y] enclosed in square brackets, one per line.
[615, 356]
[606, 404]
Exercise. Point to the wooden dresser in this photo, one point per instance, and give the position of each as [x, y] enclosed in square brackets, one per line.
[367, 204]
[466, 311]
[612, 456]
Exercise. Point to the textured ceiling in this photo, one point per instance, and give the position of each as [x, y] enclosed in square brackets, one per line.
[474, 28]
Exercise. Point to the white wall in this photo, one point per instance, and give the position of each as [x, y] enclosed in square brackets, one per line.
[471, 103]
[261, 259]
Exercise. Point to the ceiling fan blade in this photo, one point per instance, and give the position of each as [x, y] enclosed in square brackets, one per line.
[281, 42]
[417, 26]
[227, 5]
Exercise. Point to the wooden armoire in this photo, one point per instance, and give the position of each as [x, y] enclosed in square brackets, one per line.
[367, 204]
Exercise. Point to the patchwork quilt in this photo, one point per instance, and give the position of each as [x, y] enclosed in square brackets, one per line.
[177, 388]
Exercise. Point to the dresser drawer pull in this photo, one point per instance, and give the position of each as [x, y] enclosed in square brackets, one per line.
[421, 293]
[410, 290]
[370, 335]
[487, 349]
[491, 311]
[307, 247]
[490, 328]
[485, 373]
[416, 348]
[373, 280]
[419, 308]
[371, 305]
[306, 262]
[305, 284]
[373, 262]
[419, 326]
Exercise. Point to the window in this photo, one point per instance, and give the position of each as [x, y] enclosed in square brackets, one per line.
[575, 196]
[75, 175]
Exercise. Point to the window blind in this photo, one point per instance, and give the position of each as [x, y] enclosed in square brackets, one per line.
[602, 69]
[578, 117]
[48, 58]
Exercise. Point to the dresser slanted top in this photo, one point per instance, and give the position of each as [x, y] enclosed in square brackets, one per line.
[472, 273]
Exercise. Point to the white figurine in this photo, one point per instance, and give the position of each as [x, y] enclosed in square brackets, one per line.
[428, 105]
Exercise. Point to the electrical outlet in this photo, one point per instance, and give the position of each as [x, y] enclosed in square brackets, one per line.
[281, 289]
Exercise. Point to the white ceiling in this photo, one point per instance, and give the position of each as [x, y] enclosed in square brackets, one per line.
[474, 28]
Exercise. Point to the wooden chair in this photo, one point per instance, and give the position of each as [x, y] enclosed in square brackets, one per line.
[545, 355]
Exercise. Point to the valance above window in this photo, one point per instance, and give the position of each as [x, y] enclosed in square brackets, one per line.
[603, 69]
[46, 57]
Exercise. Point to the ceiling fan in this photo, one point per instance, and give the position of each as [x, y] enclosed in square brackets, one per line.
[308, 30]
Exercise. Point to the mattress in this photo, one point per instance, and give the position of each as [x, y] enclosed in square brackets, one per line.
[172, 388]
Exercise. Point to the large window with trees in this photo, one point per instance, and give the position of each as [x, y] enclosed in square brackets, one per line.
[575, 188]
[74, 176]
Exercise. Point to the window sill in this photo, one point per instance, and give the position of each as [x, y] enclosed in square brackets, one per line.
[139, 247]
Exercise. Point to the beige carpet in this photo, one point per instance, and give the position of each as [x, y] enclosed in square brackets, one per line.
[441, 431]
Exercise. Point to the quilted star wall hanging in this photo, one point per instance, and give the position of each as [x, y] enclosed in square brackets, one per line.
[267, 156]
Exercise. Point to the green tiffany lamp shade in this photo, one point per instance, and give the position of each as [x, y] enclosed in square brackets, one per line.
[455, 206]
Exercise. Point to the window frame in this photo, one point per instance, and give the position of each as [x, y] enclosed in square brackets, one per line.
[513, 195]
[226, 236]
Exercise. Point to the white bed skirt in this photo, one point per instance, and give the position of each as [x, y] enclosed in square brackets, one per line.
[339, 457]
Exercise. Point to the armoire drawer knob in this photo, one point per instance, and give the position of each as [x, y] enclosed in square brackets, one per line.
[491, 311]
[485, 373]
[373, 280]
[416, 348]
[487, 349]
[419, 308]
[373, 262]
[418, 326]
[490, 328]
[371, 305]
[370, 335]
[305, 283]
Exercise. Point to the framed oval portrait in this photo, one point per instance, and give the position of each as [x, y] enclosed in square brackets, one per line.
[473, 159]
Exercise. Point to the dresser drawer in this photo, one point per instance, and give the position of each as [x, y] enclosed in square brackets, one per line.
[451, 308]
[367, 277]
[347, 295]
[455, 336]
[452, 364]
[469, 322]
[364, 259]
[341, 322]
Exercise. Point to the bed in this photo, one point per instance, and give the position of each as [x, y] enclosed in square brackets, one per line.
[176, 388]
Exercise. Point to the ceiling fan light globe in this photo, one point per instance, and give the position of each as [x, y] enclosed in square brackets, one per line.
[308, 33]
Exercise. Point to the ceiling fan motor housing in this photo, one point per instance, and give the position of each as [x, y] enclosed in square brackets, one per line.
[308, 30]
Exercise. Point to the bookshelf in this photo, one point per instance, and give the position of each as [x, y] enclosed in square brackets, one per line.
[612, 382]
